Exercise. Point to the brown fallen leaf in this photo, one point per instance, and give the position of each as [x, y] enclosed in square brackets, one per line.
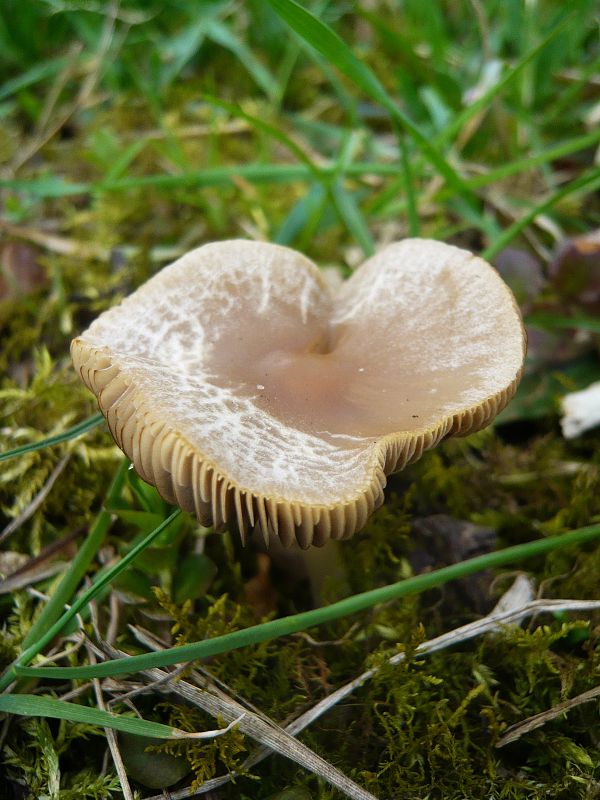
[575, 271]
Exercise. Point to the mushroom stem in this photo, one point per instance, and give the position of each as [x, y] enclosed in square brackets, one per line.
[322, 566]
[326, 572]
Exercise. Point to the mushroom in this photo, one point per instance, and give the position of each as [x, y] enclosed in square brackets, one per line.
[249, 392]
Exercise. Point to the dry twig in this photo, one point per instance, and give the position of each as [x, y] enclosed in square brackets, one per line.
[37, 501]
[111, 737]
[527, 725]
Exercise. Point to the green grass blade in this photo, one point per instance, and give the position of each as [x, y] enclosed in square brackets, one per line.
[50, 186]
[329, 44]
[78, 567]
[71, 433]
[352, 217]
[567, 100]
[124, 160]
[580, 322]
[35, 74]
[32, 705]
[543, 157]
[343, 200]
[300, 622]
[214, 176]
[589, 181]
[412, 210]
[299, 218]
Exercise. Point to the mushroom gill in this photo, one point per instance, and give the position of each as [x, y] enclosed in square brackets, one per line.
[246, 390]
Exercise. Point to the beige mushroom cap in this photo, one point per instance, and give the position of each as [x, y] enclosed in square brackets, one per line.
[248, 391]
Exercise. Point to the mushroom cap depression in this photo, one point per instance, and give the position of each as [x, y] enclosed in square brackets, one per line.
[246, 390]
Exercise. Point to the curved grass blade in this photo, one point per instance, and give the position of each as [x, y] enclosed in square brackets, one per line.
[71, 433]
[33, 705]
[307, 619]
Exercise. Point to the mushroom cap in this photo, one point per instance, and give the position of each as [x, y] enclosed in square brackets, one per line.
[248, 391]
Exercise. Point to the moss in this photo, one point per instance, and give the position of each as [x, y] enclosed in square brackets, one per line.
[46, 761]
[208, 758]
